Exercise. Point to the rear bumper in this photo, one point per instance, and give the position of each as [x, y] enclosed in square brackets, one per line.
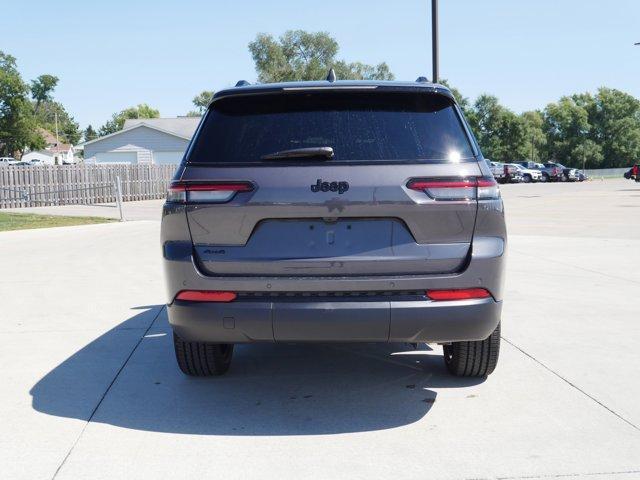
[335, 321]
[379, 318]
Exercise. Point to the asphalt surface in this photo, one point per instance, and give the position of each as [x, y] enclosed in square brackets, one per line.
[90, 389]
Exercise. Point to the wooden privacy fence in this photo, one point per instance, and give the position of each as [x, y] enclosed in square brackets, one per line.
[34, 186]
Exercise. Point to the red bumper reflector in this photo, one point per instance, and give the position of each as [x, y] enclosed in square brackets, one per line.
[206, 296]
[461, 294]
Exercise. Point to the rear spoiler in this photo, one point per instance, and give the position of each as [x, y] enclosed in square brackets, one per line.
[314, 87]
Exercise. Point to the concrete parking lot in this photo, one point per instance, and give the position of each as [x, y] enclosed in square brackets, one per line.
[90, 389]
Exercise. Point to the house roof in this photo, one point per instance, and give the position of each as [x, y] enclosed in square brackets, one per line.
[48, 153]
[60, 148]
[182, 127]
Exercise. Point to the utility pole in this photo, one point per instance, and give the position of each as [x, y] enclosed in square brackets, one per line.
[434, 40]
[55, 114]
[55, 157]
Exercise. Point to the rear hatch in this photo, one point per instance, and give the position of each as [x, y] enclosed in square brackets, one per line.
[331, 183]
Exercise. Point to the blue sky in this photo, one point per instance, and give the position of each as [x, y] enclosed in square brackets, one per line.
[111, 55]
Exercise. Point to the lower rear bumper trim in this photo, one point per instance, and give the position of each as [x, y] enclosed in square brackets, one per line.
[330, 321]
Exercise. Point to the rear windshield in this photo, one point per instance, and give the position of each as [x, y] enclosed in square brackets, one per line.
[359, 126]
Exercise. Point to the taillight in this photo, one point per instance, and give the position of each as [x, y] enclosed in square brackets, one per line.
[213, 192]
[488, 189]
[206, 296]
[483, 188]
[458, 294]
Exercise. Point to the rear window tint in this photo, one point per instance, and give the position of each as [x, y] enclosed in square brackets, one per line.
[359, 126]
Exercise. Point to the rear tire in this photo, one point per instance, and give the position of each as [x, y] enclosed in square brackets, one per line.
[473, 359]
[545, 178]
[201, 359]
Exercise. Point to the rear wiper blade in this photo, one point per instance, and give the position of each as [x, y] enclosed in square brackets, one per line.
[324, 152]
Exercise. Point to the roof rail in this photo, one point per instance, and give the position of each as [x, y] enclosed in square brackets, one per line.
[242, 83]
[331, 76]
[422, 80]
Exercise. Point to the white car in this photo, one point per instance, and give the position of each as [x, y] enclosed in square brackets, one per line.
[528, 174]
[7, 161]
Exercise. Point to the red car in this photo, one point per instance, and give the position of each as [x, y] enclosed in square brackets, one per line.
[633, 173]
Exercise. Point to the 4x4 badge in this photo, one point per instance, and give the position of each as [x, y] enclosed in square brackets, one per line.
[321, 186]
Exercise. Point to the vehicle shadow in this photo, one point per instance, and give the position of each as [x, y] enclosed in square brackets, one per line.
[284, 389]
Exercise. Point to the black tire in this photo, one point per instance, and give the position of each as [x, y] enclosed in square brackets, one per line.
[526, 179]
[473, 359]
[545, 178]
[201, 359]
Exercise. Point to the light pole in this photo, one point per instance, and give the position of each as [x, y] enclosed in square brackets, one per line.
[434, 39]
[532, 149]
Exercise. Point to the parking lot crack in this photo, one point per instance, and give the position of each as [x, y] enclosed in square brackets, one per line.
[568, 382]
[104, 394]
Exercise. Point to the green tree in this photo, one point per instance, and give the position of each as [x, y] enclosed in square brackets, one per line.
[89, 134]
[117, 120]
[500, 132]
[52, 112]
[614, 120]
[535, 137]
[42, 88]
[587, 154]
[361, 71]
[201, 102]
[17, 122]
[567, 127]
[301, 55]
[463, 102]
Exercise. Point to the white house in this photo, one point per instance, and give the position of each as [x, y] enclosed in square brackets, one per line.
[39, 156]
[145, 140]
[57, 154]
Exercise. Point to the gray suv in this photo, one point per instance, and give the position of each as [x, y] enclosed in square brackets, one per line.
[334, 211]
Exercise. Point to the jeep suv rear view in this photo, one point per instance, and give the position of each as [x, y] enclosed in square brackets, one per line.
[334, 212]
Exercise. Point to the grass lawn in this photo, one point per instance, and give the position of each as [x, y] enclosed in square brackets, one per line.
[21, 221]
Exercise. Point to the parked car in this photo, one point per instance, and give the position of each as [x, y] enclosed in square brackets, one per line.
[532, 166]
[582, 176]
[633, 173]
[528, 175]
[286, 186]
[7, 160]
[497, 170]
[514, 175]
[505, 173]
[570, 174]
[563, 174]
[552, 172]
